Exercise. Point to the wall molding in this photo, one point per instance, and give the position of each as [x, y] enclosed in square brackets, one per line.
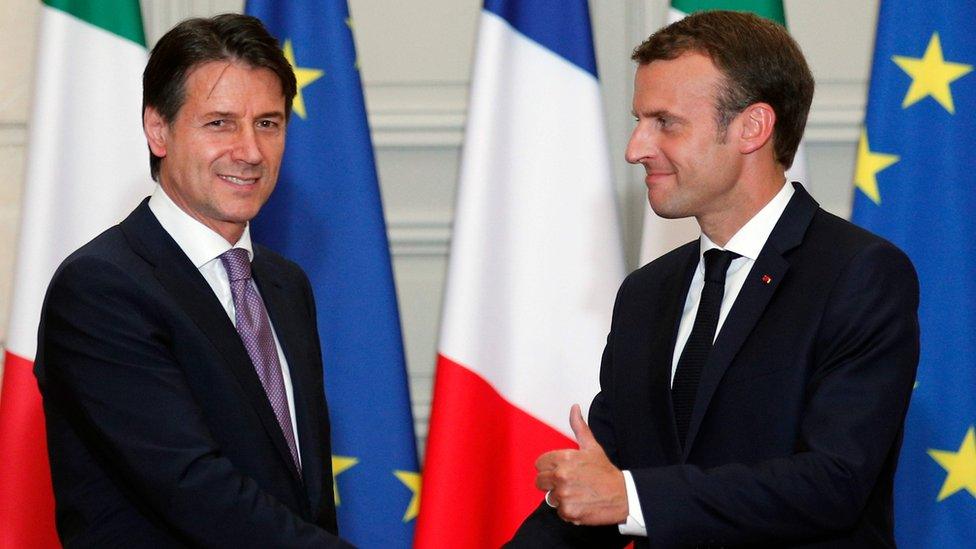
[13, 134]
[433, 115]
[417, 115]
[427, 236]
[837, 112]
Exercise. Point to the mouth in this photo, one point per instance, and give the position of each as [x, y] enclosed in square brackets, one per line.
[238, 181]
[656, 176]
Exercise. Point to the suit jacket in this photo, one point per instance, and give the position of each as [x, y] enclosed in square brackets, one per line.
[800, 410]
[159, 431]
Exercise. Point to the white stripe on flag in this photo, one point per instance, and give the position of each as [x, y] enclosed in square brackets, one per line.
[536, 256]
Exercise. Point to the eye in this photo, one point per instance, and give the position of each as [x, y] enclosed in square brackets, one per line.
[267, 124]
[217, 123]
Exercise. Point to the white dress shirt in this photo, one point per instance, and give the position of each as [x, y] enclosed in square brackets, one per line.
[204, 246]
[747, 242]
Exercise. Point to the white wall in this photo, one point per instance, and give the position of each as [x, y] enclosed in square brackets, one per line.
[415, 59]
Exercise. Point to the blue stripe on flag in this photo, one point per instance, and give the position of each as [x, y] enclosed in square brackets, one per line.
[562, 27]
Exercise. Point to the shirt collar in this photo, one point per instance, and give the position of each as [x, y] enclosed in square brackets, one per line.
[750, 239]
[199, 242]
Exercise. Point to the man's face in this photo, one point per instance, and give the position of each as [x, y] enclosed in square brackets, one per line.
[692, 168]
[222, 151]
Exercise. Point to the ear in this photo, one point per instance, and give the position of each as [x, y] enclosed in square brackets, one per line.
[156, 130]
[757, 121]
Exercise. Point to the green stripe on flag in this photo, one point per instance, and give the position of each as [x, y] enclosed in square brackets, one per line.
[121, 17]
[770, 9]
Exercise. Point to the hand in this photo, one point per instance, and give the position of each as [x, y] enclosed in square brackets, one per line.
[585, 487]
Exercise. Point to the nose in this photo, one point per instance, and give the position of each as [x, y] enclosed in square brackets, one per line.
[643, 143]
[246, 148]
[639, 146]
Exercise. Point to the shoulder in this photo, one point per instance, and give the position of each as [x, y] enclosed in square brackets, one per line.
[107, 255]
[833, 242]
[281, 265]
[845, 235]
[672, 263]
[273, 267]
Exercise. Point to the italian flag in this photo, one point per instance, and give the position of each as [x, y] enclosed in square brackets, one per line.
[87, 167]
[535, 261]
[663, 235]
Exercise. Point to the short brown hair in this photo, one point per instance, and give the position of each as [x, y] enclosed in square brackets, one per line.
[196, 41]
[760, 61]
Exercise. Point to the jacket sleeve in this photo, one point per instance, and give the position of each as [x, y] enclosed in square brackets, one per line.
[108, 366]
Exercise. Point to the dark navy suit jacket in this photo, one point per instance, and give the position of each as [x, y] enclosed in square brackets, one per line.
[159, 432]
[799, 415]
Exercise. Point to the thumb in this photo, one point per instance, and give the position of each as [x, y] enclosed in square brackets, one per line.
[582, 431]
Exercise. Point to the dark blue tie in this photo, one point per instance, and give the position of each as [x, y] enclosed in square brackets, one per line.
[699, 344]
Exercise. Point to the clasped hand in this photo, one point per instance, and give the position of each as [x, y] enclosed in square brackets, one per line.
[583, 486]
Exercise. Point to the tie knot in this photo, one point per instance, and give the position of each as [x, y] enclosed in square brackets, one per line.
[717, 263]
[237, 264]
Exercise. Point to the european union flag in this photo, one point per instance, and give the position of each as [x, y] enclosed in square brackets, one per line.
[326, 214]
[916, 185]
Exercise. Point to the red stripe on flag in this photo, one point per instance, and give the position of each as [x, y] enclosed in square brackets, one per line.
[479, 473]
[26, 496]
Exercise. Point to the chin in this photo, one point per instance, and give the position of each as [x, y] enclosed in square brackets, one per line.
[241, 215]
[667, 211]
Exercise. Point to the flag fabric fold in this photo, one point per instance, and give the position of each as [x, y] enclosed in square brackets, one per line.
[915, 185]
[660, 235]
[327, 215]
[535, 261]
[87, 167]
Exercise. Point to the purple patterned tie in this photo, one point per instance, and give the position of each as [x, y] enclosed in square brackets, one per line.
[254, 328]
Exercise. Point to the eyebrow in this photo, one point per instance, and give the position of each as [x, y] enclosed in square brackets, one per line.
[660, 113]
[227, 114]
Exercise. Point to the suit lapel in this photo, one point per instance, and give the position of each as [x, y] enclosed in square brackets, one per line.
[292, 330]
[752, 300]
[190, 290]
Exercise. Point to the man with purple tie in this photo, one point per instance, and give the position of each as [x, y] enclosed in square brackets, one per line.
[179, 362]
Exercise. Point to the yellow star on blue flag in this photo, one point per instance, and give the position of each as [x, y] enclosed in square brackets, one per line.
[869, 163]
[339, 465]
[931, 75]
[411, 480]
[303, 75]
[960, 466]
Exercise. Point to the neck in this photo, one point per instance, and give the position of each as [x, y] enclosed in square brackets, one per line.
[753, 194]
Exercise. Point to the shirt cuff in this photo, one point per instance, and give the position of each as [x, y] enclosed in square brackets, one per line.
[635, 517]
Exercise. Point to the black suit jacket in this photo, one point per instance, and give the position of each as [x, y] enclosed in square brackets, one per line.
[159, 432]
[799, 415]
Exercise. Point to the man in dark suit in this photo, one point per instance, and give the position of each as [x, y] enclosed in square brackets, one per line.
[180, 364]
[754, 384]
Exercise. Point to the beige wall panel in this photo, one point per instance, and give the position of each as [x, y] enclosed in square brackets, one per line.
[414, 42]
[11, 158]
[18, 22]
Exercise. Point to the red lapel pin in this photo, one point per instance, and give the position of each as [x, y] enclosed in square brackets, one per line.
[766, 279]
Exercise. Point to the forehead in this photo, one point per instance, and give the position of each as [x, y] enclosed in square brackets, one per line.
[690, 78]
[229, 81]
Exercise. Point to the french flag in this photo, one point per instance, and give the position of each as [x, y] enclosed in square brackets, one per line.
[536, 258]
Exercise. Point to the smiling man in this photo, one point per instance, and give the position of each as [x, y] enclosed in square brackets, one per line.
[755, 381]
[179, 362]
